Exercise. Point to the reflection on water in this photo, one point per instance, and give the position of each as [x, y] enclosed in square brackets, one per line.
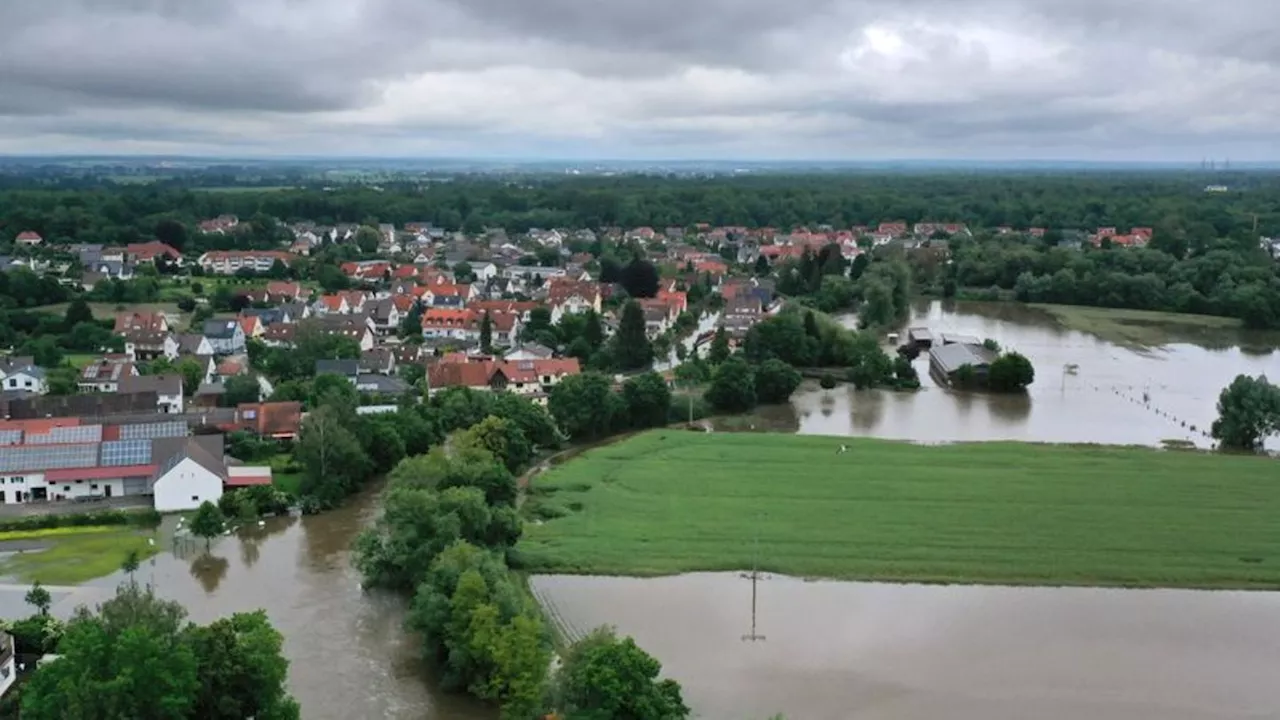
[835, 651]
[1117, 396]
[349, 654]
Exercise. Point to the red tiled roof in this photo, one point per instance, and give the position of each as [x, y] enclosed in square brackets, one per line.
[99, 473]
[151, 250]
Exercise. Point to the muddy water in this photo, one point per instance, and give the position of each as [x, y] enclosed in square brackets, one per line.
[1103, 402]
[349, 655]
[835, 651]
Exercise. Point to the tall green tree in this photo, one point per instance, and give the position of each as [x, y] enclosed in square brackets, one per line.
[648, 400]
[242, 671]
[631, 347]
[333, 462]
[604, 677]
[39, 598]
[733, 386]
[775, 381]
[128, 660]
[586, 407]
[1010, 373]
[486, 333]
[719, 351]
[208, 522]
[1248, 413]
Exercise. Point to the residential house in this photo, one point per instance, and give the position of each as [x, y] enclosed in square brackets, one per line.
[441, 323]
[447, 295]
[532, 378]
[335, 304]
[521, 309]
[29, 238]
[220, 225]
[145, 321]
[147, 252]
[346, 368]
[381, 384]
[103, 375]
[168, 390]
[279, 335]
[226, 336]
[251, 326]
[569, 297]
[8, 668]
[229, 368]
[356, 327]
[529, 351]
[387, 315]
[280, 291]
[657, 317]
[275, 420]
[191, 475]
[266, 317]
[193, 344]
[527, 272]
[378, 361]
[229, 262]
[22, 375]
[146, 345]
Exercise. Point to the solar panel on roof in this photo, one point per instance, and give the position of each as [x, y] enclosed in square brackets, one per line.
[76, 434]
[47, 457]
[10, 437]
[148, 431]
[126, 452]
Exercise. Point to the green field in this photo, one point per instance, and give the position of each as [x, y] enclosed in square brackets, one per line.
[674, 501]
[1144, 328]
[75, 555]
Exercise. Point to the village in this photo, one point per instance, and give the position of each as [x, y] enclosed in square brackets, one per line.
[427, 310]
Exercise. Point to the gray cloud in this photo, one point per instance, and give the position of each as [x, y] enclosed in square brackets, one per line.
[846, 78]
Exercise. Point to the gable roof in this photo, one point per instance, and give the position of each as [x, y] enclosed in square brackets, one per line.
[220, 329]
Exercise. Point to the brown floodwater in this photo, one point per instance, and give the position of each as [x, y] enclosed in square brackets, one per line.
[1117, 395]
[349, 654]
[840, 650]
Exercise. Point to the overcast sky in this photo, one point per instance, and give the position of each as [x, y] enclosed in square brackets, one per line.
[650, 79]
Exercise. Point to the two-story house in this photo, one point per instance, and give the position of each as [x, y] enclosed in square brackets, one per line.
[103, 375]
[168, 389]
[20, 374]
[225, 336]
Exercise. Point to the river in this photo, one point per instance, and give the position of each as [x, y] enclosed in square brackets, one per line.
[833, 650]
[349, 654]
[1102, 402]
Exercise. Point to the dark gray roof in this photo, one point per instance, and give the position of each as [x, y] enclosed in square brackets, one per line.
[386, 384]
[188, 343]
[160, 384]
[268, 316]
[345, 368]
[220, 329]
[950, 358]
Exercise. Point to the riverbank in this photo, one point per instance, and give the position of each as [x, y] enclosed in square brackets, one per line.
[668, 502]
[71, 555]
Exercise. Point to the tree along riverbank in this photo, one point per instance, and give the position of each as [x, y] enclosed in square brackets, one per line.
[667, 502]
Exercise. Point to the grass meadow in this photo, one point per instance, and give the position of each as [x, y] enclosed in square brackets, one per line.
[75, 555]
[672, 501]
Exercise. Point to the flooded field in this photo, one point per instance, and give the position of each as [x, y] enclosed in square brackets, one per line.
[349, 654]
[1117, 395]
[835, 651]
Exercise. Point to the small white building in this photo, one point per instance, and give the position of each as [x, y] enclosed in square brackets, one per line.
[8, 671]
[189, 478]
[27, 378]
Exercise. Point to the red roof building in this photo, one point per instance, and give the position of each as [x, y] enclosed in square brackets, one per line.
[149, 251]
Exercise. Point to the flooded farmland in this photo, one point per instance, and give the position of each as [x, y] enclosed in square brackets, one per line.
[838, 650]
[1116, 395]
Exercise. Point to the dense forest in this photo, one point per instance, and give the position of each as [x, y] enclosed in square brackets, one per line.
[113, 214]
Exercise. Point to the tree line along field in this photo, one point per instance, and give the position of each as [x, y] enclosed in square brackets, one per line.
[671, 501]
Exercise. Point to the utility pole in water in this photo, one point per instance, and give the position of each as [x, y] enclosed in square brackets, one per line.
[753, 636]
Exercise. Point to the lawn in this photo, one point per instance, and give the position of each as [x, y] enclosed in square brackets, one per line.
[76, 557]
[285, 474]
[674, 501]
[1142, 328]
[106, 310]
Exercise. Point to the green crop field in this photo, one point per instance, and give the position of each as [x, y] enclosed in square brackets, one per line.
[674, 501]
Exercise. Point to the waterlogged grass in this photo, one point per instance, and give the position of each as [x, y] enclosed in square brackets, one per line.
[56, 532]
[673, 501]
[74, 558]
[1142, 328]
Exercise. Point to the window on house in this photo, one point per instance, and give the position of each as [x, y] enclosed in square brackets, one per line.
[93, 486]
[13, 382]
[195, 498]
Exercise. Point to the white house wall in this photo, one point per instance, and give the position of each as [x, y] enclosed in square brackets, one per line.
[185, 486]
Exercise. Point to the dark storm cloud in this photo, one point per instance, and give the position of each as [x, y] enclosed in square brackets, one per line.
[848, 76]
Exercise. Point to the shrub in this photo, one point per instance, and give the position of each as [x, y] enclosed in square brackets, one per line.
[828, 381]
